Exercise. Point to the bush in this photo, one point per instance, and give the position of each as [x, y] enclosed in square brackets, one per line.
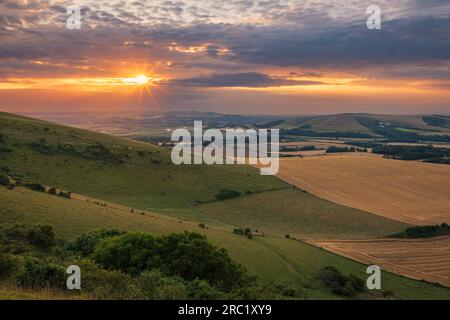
[6, 181]
[202, 290]
[340, 284]
[86, 242]
[52, 190]
[186, 255]
[158, 287]
[108, 284]
[9, 264]
[424, 232]
[42, 236]
[41, 274]
[65, 194]
[35, 186]
[132, 253]
[226, 194]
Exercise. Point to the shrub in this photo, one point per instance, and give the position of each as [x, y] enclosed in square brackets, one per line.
[202, 290]
[41, 274]
[52, 190]
[6, 181]
[8, 265]
[41, 236]
[424, 232]
[156, 286]
[65, 194]
[35, 186]
[132, 253]
[340, 284]
[108, 284]
[86, 242]
[226, 194]
[186, 255]
[204, 261]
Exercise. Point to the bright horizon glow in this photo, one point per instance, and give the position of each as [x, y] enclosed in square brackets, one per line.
[138, 80]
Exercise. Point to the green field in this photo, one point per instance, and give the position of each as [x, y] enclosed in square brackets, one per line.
[300, 214]
[141, 176]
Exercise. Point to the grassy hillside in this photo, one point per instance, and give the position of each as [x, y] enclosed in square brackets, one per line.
[328, 123]
[271, 258]
[300, 214]
[348, 122]
[116, 169]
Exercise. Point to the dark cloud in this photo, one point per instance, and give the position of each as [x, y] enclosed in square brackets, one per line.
[249, 79]
[401, 41]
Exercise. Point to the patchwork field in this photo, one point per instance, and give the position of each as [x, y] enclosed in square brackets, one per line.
[419, 259]
[411, 192]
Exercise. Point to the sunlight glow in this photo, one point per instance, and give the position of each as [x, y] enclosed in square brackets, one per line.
[139, 80]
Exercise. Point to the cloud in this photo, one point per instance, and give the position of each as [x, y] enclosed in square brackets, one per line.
[248, 79]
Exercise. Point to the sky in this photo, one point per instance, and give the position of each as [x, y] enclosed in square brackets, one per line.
[229, 56]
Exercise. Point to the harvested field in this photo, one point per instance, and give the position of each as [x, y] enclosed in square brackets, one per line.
[422, 259]
[411, 192]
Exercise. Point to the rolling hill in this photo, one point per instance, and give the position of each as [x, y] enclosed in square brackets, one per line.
[146, 192]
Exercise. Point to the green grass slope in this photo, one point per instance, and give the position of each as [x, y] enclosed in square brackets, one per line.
[271, 258]
[301, 215]
[116, 169]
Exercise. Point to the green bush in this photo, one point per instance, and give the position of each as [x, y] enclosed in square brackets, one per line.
[108, 284]
[6, 181]
[86, 242]
[35, 186]
[226, 194]
[9, 264]
[156, 286]
[41, 236]
[41, 274]
[132, 253]
[65, 194]
[52, 190]
[340, 284]
[202, 290]
[424, 232]
[186, 255]
[190, 256]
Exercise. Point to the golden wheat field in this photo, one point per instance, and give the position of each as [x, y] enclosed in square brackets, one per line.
[411, 192]
[423, 259]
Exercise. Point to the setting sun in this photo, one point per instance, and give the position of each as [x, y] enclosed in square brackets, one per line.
[140, 80]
